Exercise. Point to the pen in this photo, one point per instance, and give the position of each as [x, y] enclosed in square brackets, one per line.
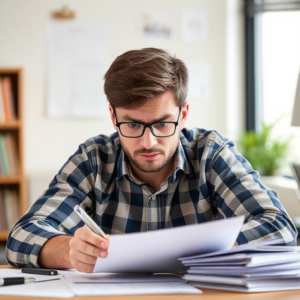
[15, 280]
[39, 271]
[88, 221]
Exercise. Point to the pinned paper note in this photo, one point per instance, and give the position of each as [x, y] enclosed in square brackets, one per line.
[157, 25]
[194, 25]
[77, 59]
[199, 80]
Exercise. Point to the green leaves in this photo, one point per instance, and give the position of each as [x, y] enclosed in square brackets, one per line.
[265, 153]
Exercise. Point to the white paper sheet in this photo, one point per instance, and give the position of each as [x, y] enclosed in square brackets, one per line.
[78, 57]
[133, 289]
[263, 246]
[55, 289]
[81, 284]
[242, 289]
[158, 251]
[194, 26]
[122, 278]
[246, 282]
[241, 270]
[248, 260]
[199, 80]
[103, 284]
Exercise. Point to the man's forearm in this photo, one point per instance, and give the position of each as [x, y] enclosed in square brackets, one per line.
[55, 253]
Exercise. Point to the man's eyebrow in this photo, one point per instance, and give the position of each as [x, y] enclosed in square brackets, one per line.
[130, 119]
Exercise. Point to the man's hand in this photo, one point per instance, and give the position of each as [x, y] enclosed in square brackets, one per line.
[85, 247]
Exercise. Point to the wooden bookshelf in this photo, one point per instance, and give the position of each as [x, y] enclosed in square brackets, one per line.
[10, 179]
[3, 235]
[10, 125]
[14, 127]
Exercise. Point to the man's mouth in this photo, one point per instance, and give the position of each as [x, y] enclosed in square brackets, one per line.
[150, 155]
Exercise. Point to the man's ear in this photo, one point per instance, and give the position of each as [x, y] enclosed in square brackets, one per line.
[112, 116]
[184, 114]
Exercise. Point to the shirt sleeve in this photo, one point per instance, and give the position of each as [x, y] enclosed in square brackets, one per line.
[52, 214]
[237, 190]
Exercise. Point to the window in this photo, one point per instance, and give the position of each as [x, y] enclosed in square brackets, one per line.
[280, 70]
[273, 66]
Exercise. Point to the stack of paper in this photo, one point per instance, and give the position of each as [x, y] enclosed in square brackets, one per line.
[256, 267]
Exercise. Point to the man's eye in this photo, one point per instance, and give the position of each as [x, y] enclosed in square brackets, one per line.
[161, 125]
[134, 125]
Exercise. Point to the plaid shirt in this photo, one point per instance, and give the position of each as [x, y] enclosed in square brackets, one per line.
[210, 181]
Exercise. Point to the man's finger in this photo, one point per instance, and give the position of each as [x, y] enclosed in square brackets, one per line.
[85, 258]
[82, 267]
[88, 249]
[87, 235]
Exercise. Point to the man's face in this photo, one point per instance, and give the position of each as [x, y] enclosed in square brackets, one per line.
[149, 153]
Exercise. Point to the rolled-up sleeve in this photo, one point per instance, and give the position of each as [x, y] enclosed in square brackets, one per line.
[52, 214]
[237, 190]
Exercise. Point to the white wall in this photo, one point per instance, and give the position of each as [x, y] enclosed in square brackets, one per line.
[49, 142]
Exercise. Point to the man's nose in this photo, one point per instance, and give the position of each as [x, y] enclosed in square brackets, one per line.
[148, 140]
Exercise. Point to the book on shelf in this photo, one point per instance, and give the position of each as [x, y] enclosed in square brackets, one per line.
[12, 154]
[2, 214]
[2, 114]
[3, 157]
[9, 162]
[7, 105]
[3, 260]
[9, 208]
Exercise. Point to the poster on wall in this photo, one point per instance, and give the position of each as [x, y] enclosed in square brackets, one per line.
[194, 26]
[157, 26]
[77, 59]
[199, 80]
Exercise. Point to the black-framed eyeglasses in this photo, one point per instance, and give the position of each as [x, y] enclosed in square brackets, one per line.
[137, 129]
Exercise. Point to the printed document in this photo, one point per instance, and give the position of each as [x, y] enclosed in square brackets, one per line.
[158, 251]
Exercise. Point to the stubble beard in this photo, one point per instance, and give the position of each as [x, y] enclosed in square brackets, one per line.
[151, 166]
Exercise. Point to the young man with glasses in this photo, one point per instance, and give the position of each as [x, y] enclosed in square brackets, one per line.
[151, 174]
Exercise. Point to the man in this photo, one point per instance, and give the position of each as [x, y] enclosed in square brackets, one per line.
[149, 175]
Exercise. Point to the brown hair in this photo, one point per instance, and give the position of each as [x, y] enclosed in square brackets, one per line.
[139, 75]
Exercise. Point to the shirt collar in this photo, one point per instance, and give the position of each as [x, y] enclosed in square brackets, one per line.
[181, 161]
[122, 165]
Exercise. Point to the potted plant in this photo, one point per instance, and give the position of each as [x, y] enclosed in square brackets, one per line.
[265, 153]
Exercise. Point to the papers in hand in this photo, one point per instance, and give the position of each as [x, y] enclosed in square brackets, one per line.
[248, 268]
[158, 251]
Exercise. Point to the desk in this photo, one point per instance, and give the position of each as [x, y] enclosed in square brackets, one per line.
[207, 295]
